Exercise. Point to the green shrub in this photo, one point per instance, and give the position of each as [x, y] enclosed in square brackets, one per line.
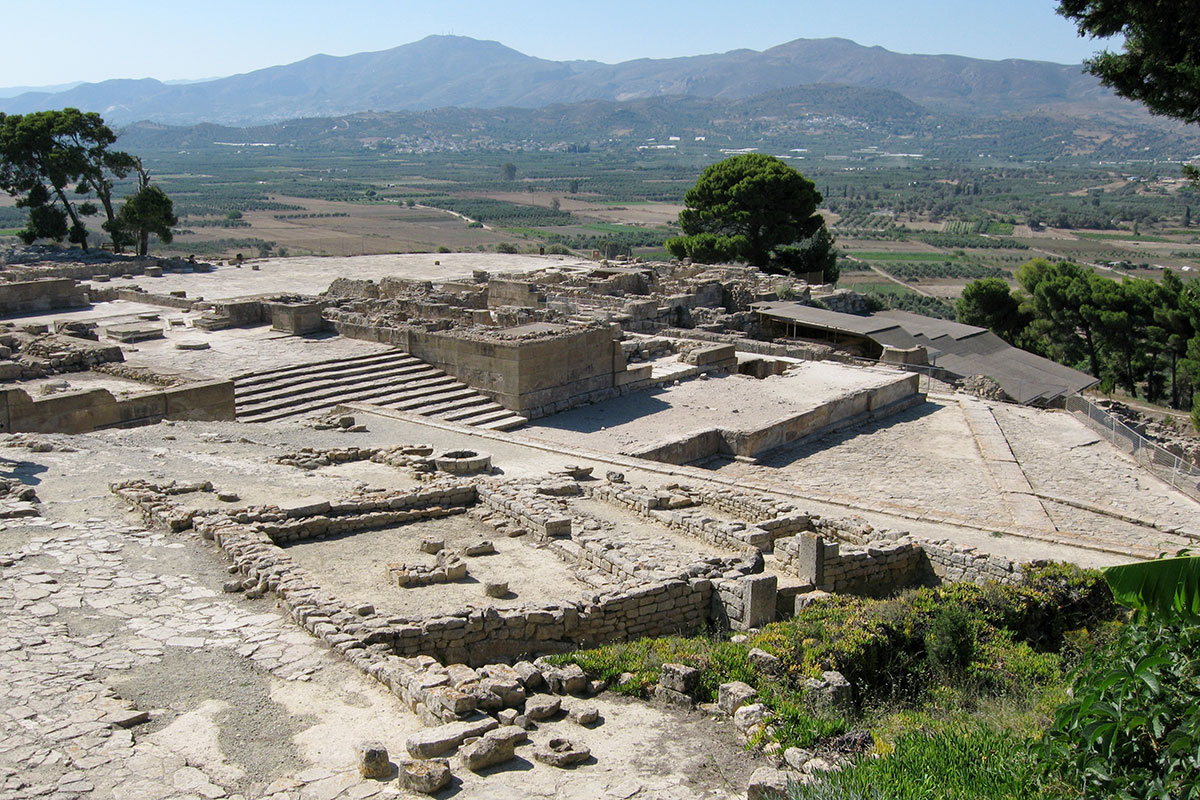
[1132, 728]
[950, 641]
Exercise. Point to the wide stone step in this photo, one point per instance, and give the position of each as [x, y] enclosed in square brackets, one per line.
[393, 379]
[472, 411]
[508, 423]
[326, 380]
[251, 378]
[439, 409]
[413, 390]
[435, 399]
[357, 389]
[301, 372]
[482, 414]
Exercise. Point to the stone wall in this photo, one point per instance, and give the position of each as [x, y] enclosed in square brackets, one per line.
[666, 507]
[28, 297]
[298, 319]
[889, 562]
[136, 295]
[88, 410]
[954, 563]
[243, 311]
[504, 292]
[683, 449]
[104, 264]
[808, 351]
[541, 516]
[876, 569]
[744, 603]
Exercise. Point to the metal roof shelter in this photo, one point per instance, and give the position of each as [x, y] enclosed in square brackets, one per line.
[959, 349]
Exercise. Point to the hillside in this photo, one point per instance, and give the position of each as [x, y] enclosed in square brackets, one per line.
[444, 71]
[823, 118]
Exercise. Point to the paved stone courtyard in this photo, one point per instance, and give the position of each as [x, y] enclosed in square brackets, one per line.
[924, 465]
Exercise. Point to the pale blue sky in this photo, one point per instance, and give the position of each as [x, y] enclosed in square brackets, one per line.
[72, 40]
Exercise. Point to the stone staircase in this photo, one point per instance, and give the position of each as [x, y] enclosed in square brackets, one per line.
[391, 378]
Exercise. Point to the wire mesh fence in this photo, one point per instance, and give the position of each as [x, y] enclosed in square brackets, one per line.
[1181, 474]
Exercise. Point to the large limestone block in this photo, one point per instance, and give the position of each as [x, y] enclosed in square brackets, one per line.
[561, 752]
[373, 760]
[772, 784]
[679, 678]
[732, 696]
[487, 751]
[433, 742]
[542, 706]
[426, 777]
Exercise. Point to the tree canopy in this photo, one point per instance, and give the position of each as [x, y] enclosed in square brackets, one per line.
[988, 303]
[1160, 62]
[51, 159]
[148, 211]
[1140, 335]
[757, 209]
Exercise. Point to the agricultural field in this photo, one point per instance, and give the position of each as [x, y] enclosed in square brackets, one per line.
[331, 228]
[932, 225]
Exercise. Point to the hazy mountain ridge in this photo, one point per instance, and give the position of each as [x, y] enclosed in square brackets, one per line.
[844, 117]
[444, 71]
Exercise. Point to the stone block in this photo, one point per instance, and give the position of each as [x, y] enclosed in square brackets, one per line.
[796, 757]
[772, 784]
[460, 674]
[483, 548]
[373, 762]
[530, 675]
[561, 752]
[760, 600]
[542, 706]
[487, 751]
[764, 660]
[432, 742]
[671, 697]
[425, 777]
[583, 714]
[831, 695]
[679, 678]
[748, 716]
[568, 679]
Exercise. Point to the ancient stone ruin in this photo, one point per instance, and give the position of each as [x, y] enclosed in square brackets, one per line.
[396, 499]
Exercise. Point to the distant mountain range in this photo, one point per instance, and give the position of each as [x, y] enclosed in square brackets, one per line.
[817, 120]
[454, 71]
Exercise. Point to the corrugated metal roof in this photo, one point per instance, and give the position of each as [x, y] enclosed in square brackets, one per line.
[960, 349]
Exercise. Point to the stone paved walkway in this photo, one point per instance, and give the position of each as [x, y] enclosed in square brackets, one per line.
[75, 615]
